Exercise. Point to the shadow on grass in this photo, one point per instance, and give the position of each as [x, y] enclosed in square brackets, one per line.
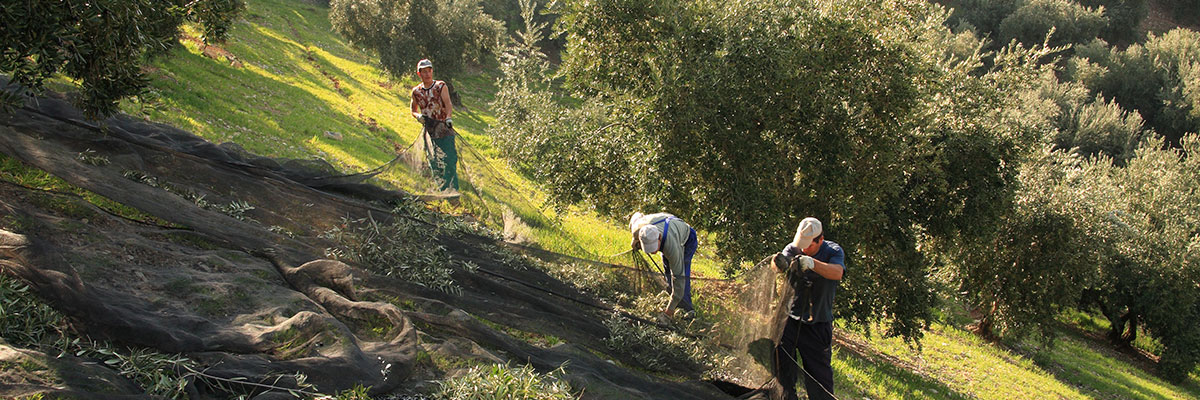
[469, 119]
[1081, 361]
[861, 376]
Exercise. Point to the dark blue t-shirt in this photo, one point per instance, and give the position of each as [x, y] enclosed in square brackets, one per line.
[822, 290]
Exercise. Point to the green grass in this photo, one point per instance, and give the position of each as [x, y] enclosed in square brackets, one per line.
[861, 377]
[967, 364]
[279, 99]
[954, 363]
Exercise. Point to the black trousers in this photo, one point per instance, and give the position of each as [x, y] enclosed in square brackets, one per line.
[814, 343]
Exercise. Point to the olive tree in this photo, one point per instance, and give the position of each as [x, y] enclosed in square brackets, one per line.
[102, 44]
[1150, 273]
[451, 33]
[985, 15]
[1159, 79]
[1124, 17]
[1086, 124]
[745, 121]
[1070, 22]
[1040, 257]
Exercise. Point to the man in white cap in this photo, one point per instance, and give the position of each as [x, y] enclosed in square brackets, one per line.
[432, 108]
[677, 242]
[814, 267]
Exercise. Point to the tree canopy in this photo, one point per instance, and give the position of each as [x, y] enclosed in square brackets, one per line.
[935, 163]
[745, 121]
[450, 33]
[102, 44]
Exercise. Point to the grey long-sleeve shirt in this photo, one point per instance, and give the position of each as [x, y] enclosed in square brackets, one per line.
[671, 247]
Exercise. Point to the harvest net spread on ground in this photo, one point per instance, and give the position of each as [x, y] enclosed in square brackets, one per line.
[755, 318]
[249, 291]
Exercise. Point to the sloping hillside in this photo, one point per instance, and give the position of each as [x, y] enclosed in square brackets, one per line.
[246, 292]
[285, 85]
[225, 259]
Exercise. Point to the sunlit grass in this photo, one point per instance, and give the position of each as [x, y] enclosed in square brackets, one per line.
[966, 364]
[955, 363]
[280, 99]
[858, 377]
[1105, 373]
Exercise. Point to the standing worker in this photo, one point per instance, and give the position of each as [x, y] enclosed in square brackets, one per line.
[814, 267]
[677, 241]
[432, 108]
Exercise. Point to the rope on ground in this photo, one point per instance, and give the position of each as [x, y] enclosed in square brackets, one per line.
[506, 184]
[798, 364]
[619, 254]
[548, 253]
[496, 174]
[365, 174]
[492, 169]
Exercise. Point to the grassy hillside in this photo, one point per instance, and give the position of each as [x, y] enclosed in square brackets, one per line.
[955, 363]
[285, 80]
[285, 84]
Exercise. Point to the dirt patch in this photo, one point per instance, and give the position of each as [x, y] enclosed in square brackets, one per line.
[213, 51]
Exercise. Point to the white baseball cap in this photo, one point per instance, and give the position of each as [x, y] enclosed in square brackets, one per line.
[649, 236]
[808, 230]
[633, 220]
[424, 63]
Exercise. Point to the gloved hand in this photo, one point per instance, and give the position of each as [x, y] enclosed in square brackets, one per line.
[449, 123]
[781, 261]
[421, 118]
[804, 263]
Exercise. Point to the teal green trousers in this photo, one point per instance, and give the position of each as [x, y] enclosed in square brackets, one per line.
[444, 163]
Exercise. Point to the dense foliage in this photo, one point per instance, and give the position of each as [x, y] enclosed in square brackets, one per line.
[930, 162]
[1087, 124]
[102, 44]
[1150, 268]
[1073, 21]
[1123, 17]
[1160, 80]
[1070, 22]
[745, 121]
[451, 33]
